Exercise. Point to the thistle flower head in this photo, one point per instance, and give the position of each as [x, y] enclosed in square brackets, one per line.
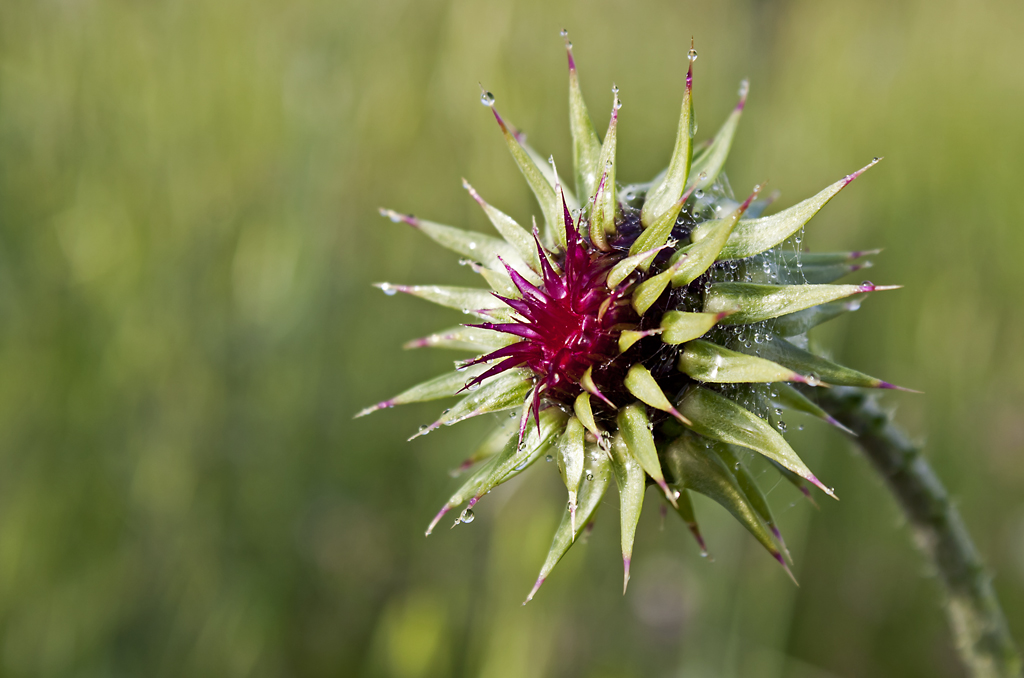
[653, 335]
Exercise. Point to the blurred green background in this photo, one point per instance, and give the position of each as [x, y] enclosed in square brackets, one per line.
[188, 231]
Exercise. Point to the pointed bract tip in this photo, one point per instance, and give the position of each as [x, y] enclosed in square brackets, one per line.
[839, 425]
[785, 566]
[384, 404]
[533, 591]
[669, 493]
[865, 253]
[625, 575]
[751, 197]
[807, 493]
[424, 430]
[397, 217]
[871, 287]
[472, 192]
[437, 519]
[568, 50]
[894, 387]
[865, 168]
[678, 415]
[695, 531]
[827, 490]
[744, 91]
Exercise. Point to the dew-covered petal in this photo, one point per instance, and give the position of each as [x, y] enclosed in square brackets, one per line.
[754, 303]
[753, 236]
[504, 392]
[597, 477]
[630, 477]
[718, 418]
[708, 362]
[635, 428]
[444, 386]
[662, 197]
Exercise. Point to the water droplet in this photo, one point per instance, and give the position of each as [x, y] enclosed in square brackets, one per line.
[867, 283]
[703, 554]
[472, 245]
[692, 55]
[473, 387]
[744, 88]
[467, 516]
[875, 159]
[813, 379]
[446, 411]
[615, 88]
[618, 103]
[800, 427]
[486, 98]
[549, 458]
[563, 33]
[782, 427]
[590, 476]
[698, 194]
[424, 427]
[388, 290]
[778, 410]
[737, 466]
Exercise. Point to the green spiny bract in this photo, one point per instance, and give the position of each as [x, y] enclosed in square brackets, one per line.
[651, 335]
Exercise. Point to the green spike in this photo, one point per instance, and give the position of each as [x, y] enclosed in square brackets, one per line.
[625, 267]
[711, 363]
[761, 302]
[753, 236]
[703, 471]
[597, 476]
[514, 234]
[504, 392]
[629, 476]
[467, 299]
[790, 398]
[718, 418]
[477, 246]
[662, 198]
[586, 147]
[678, 327]
[698, 257]
[751, 489]
[464, 338]
[606, 205]
[711, 160]
[783, 352]
[793, 324]
[641, 383]
[569, 454]
[635, 428]
[585, 413]
[542, 188]
[444, 386]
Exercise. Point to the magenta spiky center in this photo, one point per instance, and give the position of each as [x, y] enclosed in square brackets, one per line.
[569, 324]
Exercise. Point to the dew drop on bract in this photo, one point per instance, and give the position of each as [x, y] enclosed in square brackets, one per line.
[692, 55]
[549, 458]
[563, 33]
[467, 516]
[698, 194]
[590, 476]
[486, 98]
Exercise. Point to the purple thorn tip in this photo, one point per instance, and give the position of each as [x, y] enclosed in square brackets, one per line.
[533, 591]
[894, 387]
[384, 404]
[826, 490]
[695, 530]
[437, 519]
[669, 494]
[785, 566]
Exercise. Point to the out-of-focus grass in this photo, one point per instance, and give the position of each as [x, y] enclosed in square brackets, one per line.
[187, 235]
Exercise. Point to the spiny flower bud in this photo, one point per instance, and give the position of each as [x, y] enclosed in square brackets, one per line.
[652, 335]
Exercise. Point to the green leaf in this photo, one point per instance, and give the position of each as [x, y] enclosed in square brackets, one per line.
[477, 246]
[783, 352]
[641, 383]
[629, 476]
[698, 257]
[792, 399]
[753, 236]
[680, 326]
[504, 392]
[700, 469]
[709, 362]
[664, 196]
[569, 455]
[718, 418]
[761, 302]
[543, 189]
[586, 147]
[792, 324]
[711, 160]
[635, 428]
[464, 338]
[444, 386]
[514, 234]
[597, 477]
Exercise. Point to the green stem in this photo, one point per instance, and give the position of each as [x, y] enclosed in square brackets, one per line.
[979, 628]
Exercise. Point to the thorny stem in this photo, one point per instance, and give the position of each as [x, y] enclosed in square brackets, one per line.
[979, 628]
